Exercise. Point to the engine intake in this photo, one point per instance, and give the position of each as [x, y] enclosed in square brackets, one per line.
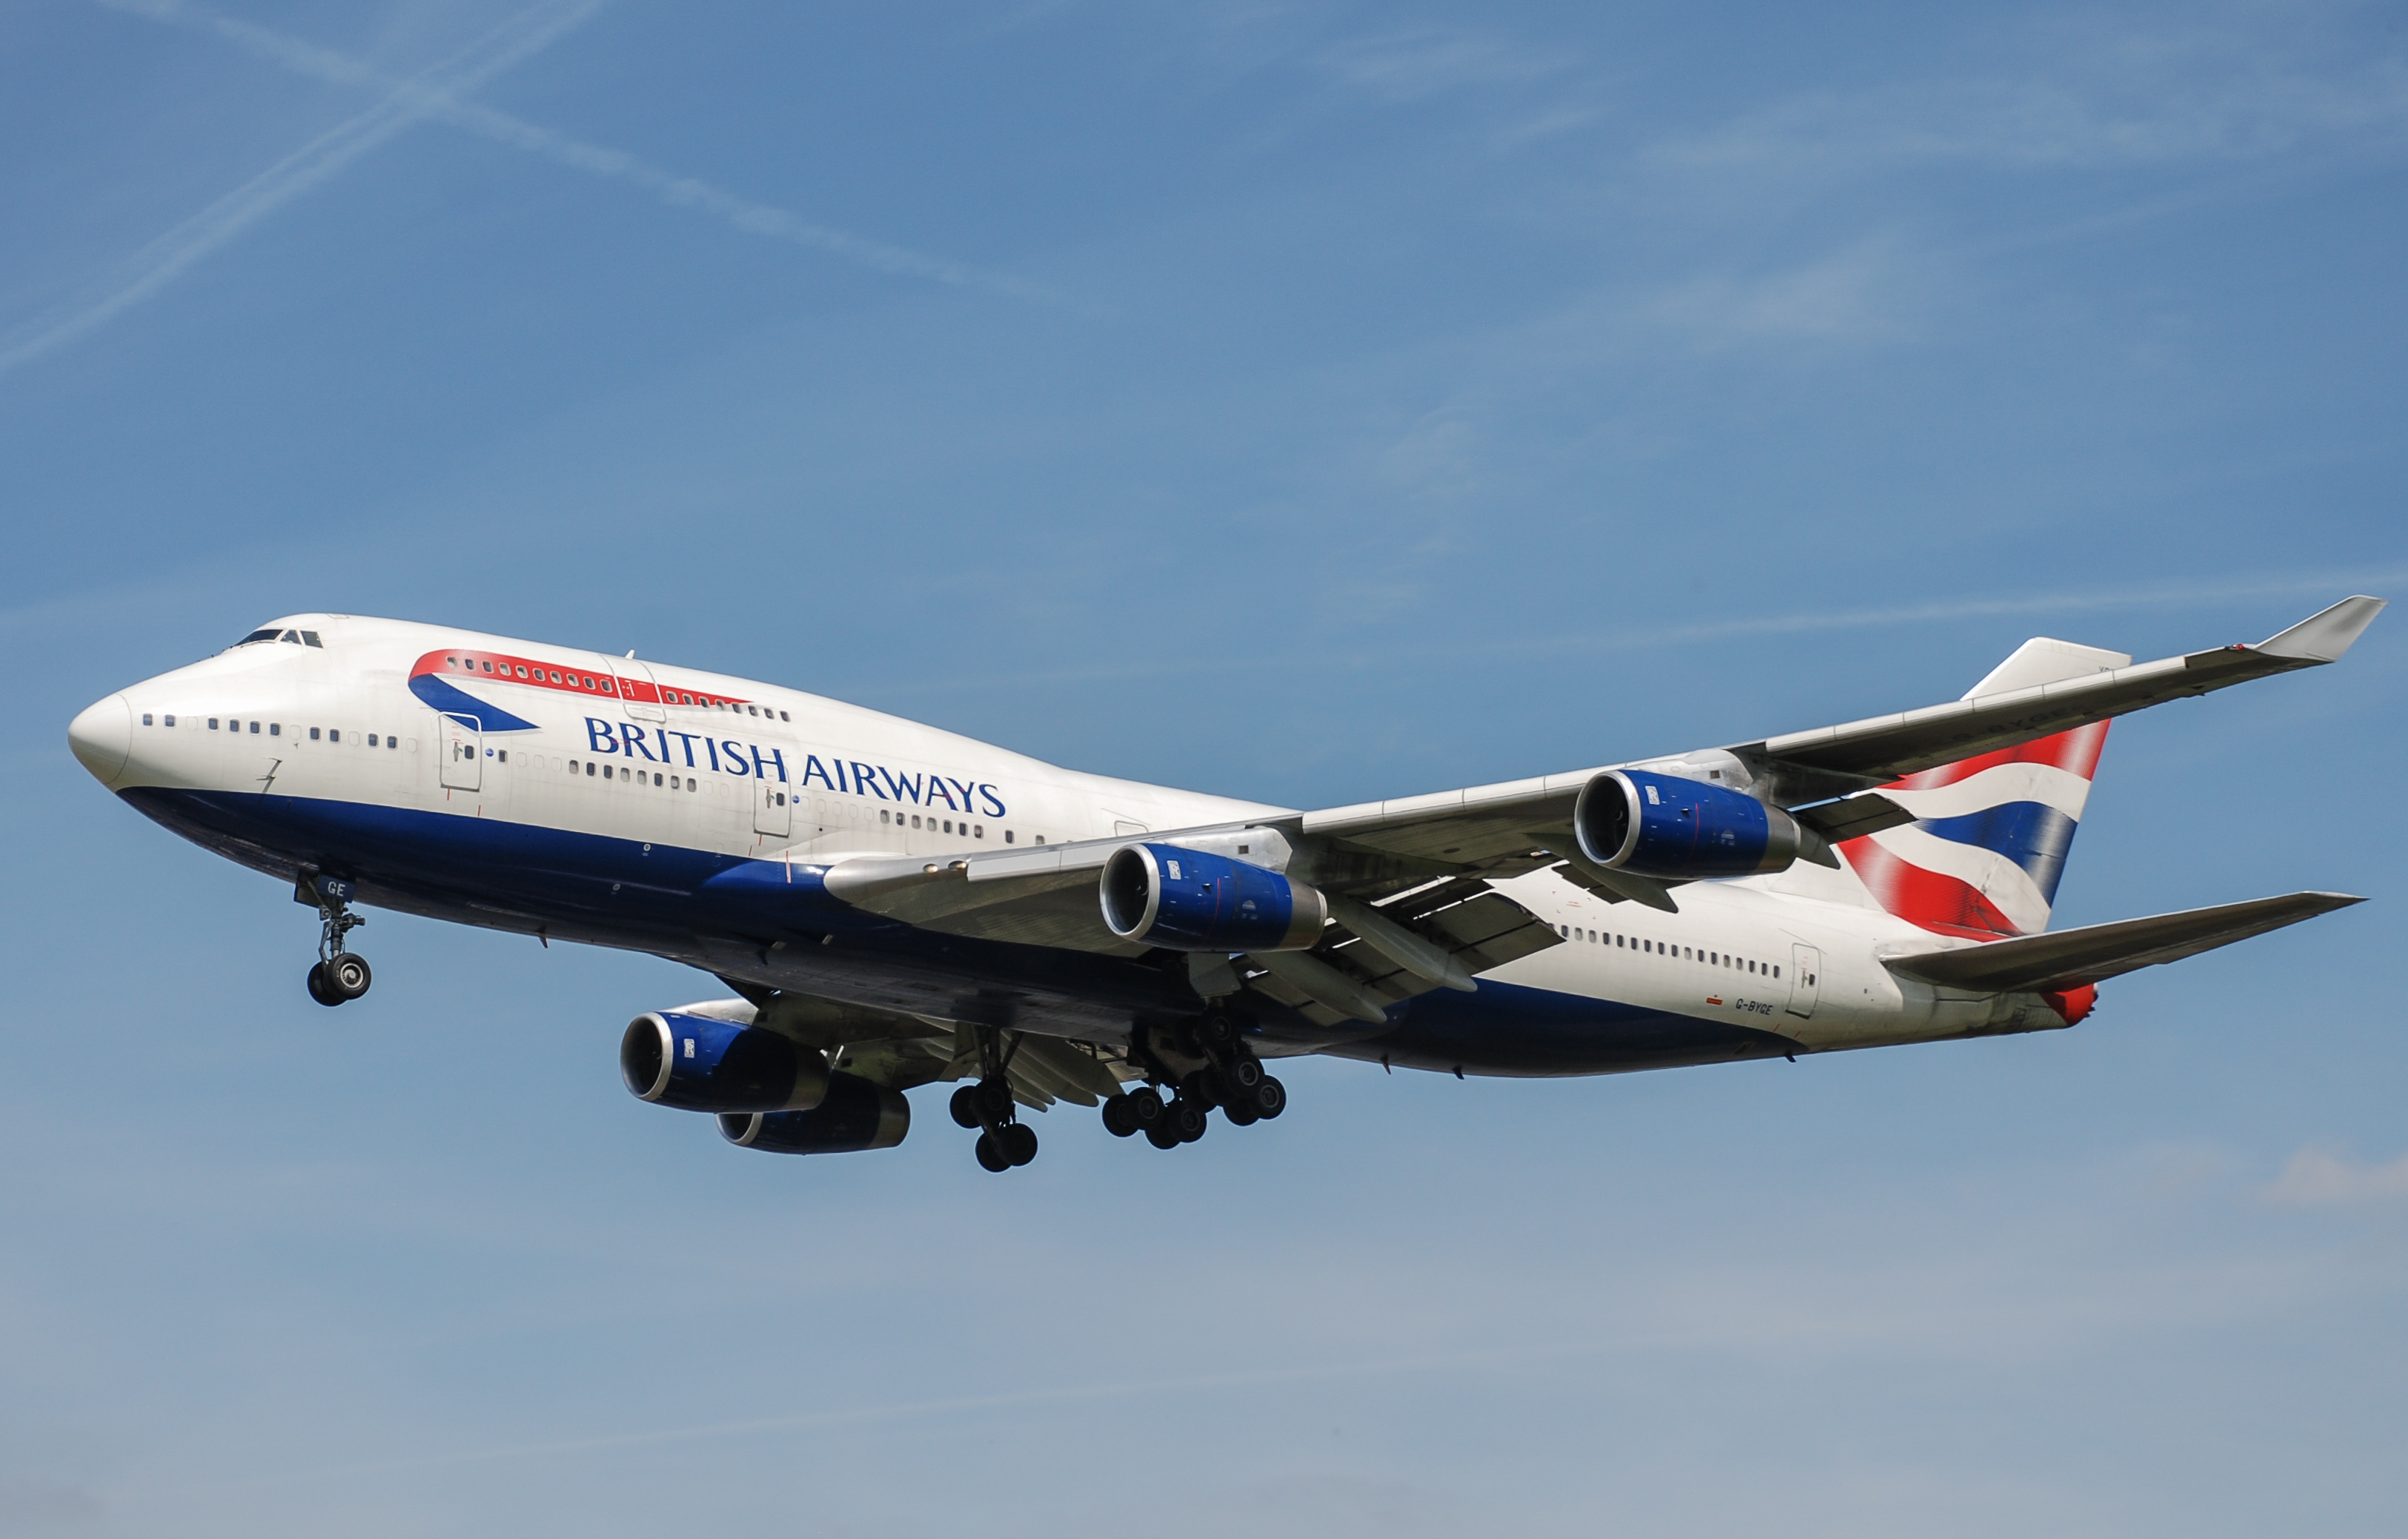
[853, 1116]
[1191, 901]
[699, 1063]
[1673, 829]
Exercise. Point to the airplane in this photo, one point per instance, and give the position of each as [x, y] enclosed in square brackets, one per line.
[893, 905]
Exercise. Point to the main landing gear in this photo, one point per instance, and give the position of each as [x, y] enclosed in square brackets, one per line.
[1004, 1140]
[339, 976]
[1209, 1064]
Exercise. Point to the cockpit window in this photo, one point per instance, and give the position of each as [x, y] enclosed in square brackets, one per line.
[293, 636]
[310, 638]
[269, 634]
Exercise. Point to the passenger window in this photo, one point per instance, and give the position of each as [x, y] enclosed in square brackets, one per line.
[392, 742]
[275, 728]
[170, 721]
[978, 830]
[915, 820]
[1040, 838]
[784, 717]
[1007, 835]
[213, 723]
[589, 769]
[502, 756]
[689, 782]
[334, 734]
[146, 718]
[313, 734]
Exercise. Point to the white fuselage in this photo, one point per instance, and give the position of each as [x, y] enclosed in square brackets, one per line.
[677, 758]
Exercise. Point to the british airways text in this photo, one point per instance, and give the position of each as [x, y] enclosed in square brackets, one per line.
[727, 756]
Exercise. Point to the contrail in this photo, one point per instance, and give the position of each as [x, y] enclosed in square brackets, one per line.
[411, 101]
[441, 105]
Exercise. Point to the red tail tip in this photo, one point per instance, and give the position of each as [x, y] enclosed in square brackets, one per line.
[2073, 1006]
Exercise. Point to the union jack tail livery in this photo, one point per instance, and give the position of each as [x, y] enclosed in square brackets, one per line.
[1983, 857]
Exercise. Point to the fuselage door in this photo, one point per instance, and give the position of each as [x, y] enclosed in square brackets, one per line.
[1805, 979]
[773, 810]
[638, 695]
[464, 752]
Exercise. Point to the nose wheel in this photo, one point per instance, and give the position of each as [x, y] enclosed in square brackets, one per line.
[340, 975]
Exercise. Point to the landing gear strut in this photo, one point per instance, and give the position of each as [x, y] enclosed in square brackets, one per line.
[1208, 1064]
[1004, 1140]
[339, 976]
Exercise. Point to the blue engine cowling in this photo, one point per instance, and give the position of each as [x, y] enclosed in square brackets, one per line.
[853, 1116]
[1673, 829]
[1189, 901]
[699, 1064]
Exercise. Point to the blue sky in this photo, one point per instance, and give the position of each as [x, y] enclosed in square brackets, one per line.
[1304, 402]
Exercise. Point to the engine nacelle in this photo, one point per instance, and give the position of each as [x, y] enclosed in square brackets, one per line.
[1673, 829]
[853, 1116]
[699, 1063]
[1191, 901]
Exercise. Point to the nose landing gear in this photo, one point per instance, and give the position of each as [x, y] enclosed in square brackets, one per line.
[339, 976]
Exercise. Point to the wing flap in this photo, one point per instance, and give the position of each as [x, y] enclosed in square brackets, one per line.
[2066, 959]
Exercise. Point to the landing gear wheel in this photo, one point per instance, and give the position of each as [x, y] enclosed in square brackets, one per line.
[1145, 1105]
[1187, 1120]
[1216, 1033]
[993, 1098]
[990, 1155]
[346, 975]
[1271, 1098]
[1019, 1141]
[1118, 1120]
[318, 989]
[964, 1105]
[1162, 1135]
[1240, 1112]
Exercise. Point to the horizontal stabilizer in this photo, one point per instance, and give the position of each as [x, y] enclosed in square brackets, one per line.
[2066, 959]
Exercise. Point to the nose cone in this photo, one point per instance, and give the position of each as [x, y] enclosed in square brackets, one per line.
[102, 737]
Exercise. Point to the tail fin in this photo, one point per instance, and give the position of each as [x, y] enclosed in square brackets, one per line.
[1982, 858]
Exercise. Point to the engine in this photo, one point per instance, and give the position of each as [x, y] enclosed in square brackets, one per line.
[1673, 829]
[855, 1115]
[699, 1064]
[1192, 901]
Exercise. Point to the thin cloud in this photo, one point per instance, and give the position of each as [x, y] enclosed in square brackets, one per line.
[168, 257]
[1943, 611]
[2227, 102]
[2316, 1177]
[679, 192]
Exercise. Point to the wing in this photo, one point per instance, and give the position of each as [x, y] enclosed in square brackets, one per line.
[2066, 959]
[1807, 766]
[1416, 869]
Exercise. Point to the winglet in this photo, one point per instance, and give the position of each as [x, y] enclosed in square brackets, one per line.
[2323, 637]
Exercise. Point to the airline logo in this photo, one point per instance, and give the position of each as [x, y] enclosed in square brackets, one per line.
[437, 678]
[1988, 844]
